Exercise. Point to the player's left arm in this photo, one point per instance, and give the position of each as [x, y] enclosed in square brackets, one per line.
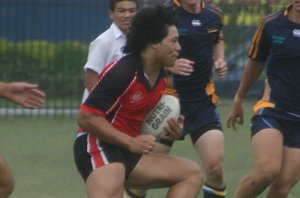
[220, 64]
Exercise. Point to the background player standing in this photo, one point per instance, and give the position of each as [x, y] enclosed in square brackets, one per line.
[107, 47]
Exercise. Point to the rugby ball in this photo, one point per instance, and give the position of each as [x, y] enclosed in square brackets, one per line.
[167, 107]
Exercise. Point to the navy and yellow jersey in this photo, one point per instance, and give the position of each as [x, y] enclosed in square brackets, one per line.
[198, 34]
[123, 95]
[277, 43]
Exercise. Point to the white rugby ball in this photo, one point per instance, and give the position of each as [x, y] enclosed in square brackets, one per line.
[156, 120]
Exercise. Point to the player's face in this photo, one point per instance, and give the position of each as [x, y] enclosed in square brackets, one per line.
[193, 6]
[169, 48]
[123, 14]
[190, 3]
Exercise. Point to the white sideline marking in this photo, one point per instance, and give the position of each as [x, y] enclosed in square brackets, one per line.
[39, 111]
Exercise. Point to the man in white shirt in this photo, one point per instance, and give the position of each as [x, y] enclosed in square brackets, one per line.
[107, 47]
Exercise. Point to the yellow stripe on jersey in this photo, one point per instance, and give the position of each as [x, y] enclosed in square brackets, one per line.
[177, 3]
[254, 47]
[212, 30]
[265, 101]
[286, 12]
[253, 50]
[170, 91]
[210, 91]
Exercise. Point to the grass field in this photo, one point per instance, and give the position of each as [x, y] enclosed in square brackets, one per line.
[39, 152]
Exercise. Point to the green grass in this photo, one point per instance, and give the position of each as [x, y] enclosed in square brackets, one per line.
[39, 152]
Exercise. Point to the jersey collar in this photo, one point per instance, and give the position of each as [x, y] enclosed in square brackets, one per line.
[116, 30]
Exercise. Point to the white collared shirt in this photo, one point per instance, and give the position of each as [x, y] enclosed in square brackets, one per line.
[106, 48]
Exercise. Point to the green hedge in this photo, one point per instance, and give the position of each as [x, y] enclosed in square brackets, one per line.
[56, 67]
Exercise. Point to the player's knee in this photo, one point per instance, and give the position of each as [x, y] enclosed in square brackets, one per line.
[194, 175]
[281, 188]
[215, 170]
[268, 174]
[279, 192]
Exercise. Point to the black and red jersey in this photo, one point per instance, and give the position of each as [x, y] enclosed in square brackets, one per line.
[123, 94]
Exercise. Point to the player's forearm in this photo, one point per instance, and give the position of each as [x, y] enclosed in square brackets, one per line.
[99, 127]
[219, 50]
[252, 71]
[90, 80]
[4, 90]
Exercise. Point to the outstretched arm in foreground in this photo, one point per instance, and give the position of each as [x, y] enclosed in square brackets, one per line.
[22, 93]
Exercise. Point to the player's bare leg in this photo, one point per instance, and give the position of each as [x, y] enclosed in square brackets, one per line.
[289, 175]
[159, 170]
[140, 193]
[106, 182]
[268, 151]
[6, 179]
[210, 147]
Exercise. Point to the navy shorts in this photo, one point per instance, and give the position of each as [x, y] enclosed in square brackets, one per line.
[90, 153]
[290, 129]
[200, 117]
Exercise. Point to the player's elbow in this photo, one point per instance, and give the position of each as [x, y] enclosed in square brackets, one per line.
[87, 84]
[90, 79]
[82, 119]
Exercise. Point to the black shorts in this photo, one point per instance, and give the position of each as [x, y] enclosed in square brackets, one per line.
[90, 153]
[200, 117]
[289, 129]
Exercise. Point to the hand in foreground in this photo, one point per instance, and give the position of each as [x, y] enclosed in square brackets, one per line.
[236, 114]
[221, 68]
[142, 144]
[25, 94]
[182, 67]
[173, 129]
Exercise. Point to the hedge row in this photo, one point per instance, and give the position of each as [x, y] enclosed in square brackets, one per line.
[56, 67]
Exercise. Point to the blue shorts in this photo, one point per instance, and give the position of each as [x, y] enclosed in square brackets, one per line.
[90, 153]
[200, 117]
[290, 129]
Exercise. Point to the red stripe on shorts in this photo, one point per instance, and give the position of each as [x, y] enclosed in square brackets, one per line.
[94, 150]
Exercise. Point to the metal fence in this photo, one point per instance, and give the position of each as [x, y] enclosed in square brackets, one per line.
[46, 41]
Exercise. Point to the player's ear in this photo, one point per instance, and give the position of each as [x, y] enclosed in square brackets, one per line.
[155, 45]
[111, 14]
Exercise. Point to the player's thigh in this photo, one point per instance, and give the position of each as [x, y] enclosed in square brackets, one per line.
[210, 146]
[106, 181]
[161, 148]
[160, 170]
[267, 146]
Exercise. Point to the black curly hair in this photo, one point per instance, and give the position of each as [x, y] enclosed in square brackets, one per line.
[149, 26]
